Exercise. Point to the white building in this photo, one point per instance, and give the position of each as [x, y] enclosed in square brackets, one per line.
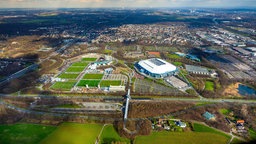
[156, 68]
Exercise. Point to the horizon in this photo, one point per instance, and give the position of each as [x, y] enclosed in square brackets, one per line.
[242, 7]
[39, 4]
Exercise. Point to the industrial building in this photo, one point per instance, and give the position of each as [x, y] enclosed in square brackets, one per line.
[155, 68]
[197, 70]
[193, 57]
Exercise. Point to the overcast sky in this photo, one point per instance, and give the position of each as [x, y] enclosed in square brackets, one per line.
[124, 3]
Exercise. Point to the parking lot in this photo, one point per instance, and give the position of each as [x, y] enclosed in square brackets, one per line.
[149, 87]
[234, 68]
[175, 82]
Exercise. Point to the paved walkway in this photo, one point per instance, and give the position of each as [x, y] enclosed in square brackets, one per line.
[98, 138]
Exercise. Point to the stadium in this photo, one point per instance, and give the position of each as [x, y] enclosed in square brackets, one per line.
[156, 68]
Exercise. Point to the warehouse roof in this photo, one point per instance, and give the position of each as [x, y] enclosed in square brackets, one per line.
[198, 69]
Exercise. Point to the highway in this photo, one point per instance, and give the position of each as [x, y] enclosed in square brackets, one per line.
[207, 100]
[20, 73]
[138, 98]
[22, 110]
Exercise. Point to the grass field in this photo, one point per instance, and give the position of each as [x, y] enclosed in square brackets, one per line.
[107, 83]
[24, 133]
[209, 86]
[173, 56]
[75, 69]
[108, 52]
[80, 64]
[89, 59]
[203, 134]
[236, 141]
[72, 133]
[68, 106]
[93, 76]
[63, 85]
[202, 128]
[252, 134]
[68, 76]
[177, 63]
[109, 135]
[90, 83]
[224, 111]
[166, 137]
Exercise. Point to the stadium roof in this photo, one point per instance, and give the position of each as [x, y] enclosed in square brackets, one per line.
[157, 66]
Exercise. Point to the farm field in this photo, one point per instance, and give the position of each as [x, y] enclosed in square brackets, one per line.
[90, 83]
[73, 133]
[209, 86]
[109, 135]
[89, 59]
[93, 76]
[24, 133]
[68, 76]
[75, 69]
[63, 85]
[80, 64]
[182, 137]
[107, 83]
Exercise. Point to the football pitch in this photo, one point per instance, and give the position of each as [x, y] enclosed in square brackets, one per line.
[68, 76]
[90, 83]
[80, 64]
[63, 85]
[89, 59]
[75, 69]
[107, 83]
[93, 76]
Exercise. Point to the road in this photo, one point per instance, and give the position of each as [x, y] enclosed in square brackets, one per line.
[20, 73]
[35, 66]
[139, 98]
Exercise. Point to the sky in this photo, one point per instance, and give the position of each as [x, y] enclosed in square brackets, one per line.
[124, 3]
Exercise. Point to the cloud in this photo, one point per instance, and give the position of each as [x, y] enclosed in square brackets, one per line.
[126, 3]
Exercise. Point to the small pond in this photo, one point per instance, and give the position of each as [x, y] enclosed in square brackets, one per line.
[246, 90]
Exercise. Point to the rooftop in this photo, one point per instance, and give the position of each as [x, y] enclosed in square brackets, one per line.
[157, 62]
[252, 49]
[157, 66]
[242, 51]
[191, 68]
[154, 53]
[208, 115]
